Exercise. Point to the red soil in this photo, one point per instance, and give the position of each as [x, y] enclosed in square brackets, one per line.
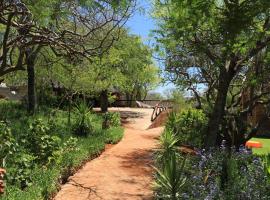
[160, 120]
[124, 171]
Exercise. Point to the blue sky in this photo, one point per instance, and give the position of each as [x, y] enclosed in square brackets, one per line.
[141, 24]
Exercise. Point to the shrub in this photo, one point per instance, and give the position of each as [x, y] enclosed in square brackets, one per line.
[7, 143]
[111, 119]
[266, 164]
[70, 146]
[42, 143]
[83, 125]
[30, 176]
[20, 170]
[19, 164]
[189, 126]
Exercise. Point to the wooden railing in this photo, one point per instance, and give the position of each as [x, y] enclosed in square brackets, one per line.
[160, 107]
[153, 103]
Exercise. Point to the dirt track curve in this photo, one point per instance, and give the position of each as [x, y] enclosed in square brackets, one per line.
[123, 171]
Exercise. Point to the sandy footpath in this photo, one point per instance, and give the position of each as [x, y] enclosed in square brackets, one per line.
[123, 171]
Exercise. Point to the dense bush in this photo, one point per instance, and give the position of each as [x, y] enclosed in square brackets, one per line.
[14, 158]
[189, 126]
[42, 141]
[111, 119]
[20, 170]
[39, 151]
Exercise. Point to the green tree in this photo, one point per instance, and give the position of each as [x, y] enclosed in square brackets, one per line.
[62, 26]
[214, 43]
[127, 67]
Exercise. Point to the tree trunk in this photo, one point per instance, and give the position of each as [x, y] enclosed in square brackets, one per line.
[129, 99]
[30, 62]
[139, 94]
[69, 109]
[31, 56]
[104, 101]
[218, 111]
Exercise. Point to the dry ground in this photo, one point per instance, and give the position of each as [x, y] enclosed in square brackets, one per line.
[124, 170]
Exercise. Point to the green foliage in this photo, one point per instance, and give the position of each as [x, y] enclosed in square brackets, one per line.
[169, 177]
[111, 98]
[7, 145]
[111, 119]
[217, 174]
[45, 181]
[180, 102]
[189, 126]
[168, 142]
[266, 162]
[216, 41]
[10, 109]
[20, 171]
[83, 125]
[39, 163]
[127, 67]
[223, 174]
[114, 135]
[42, 142]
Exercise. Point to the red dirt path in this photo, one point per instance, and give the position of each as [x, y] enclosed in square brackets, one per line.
[123, 171]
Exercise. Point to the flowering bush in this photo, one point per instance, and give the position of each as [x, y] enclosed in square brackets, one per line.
[2, 185]
[219, 174]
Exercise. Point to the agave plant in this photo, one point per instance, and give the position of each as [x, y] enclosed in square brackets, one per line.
[169, 176]
[170, 179]
[168, 141]
[83, 125]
